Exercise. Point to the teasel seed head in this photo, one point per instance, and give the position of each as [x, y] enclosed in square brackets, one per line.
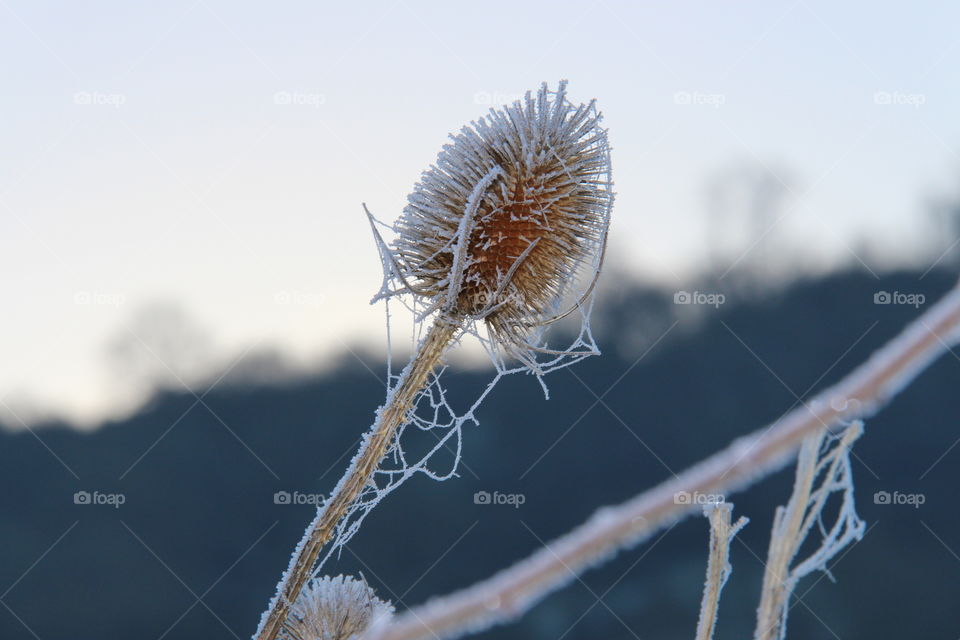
[516, 207]
[337, 608]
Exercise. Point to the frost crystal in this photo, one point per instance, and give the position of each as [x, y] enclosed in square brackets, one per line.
[334, 609]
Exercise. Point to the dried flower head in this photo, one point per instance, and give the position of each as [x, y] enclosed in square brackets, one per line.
[337, 608]
[516, 206]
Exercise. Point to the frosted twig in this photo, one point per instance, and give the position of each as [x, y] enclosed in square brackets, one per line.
[820, 473]
[718, 566]
[860, 394]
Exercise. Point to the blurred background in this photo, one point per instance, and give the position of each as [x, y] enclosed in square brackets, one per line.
[186, 276]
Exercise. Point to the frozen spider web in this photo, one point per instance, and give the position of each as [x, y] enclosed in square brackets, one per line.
[823, 472]
[430, 441]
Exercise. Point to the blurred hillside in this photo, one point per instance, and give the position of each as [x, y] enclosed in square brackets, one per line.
[197, 545]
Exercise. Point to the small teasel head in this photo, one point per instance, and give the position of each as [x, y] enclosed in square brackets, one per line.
[337, 608]
[511, 218]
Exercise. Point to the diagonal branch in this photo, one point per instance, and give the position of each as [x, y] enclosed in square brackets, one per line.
[861, 393]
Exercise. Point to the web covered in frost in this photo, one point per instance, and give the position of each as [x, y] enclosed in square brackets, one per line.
[434, 413]
[831, 474]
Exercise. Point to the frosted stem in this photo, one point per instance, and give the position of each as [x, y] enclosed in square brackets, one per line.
[817, 477]
[722, 532]
[512, 591]
[412, 380]
[785, 540]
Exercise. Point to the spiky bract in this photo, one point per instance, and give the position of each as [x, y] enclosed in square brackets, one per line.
[337, 608]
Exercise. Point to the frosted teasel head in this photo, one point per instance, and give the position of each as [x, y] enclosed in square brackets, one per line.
[337, 608]
[513, 214]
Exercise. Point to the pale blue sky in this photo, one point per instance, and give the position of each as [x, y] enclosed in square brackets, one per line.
[215, 154]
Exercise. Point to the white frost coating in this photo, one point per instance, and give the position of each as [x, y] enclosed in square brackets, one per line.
[334, 608]
[722, 532]
[823, 469]
[304, 539]
[542, 163]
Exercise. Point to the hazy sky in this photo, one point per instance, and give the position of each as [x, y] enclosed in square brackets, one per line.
[214, 155]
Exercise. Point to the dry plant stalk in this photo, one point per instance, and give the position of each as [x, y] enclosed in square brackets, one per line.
[496, 231]
[722, 532]
[819, 474]
[860, 394]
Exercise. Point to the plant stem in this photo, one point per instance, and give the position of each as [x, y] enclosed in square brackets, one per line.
[785, 540]
[816, 478]
[412, 380]
[722, 531]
